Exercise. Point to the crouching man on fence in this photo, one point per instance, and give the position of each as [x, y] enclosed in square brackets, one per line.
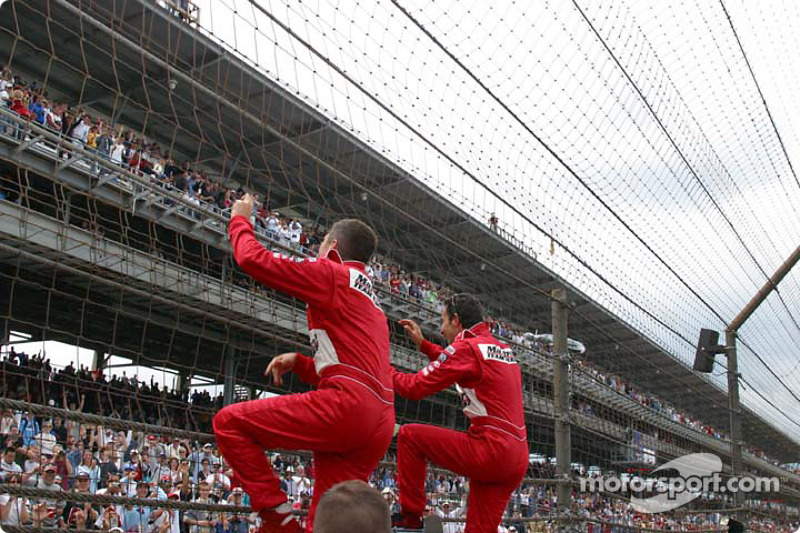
[493, 452]
[349, 420]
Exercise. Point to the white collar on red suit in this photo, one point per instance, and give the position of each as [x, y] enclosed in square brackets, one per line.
[474, 331]
[334, 256]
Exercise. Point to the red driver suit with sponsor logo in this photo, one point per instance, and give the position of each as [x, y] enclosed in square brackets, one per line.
[349, 420]
[493, 452]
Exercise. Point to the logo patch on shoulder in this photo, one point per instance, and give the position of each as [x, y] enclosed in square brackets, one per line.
[442, 357]
[450, 349]
[361, 283]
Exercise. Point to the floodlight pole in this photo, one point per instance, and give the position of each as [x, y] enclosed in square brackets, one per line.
[731, 333]
[561, 395]
[735, 411]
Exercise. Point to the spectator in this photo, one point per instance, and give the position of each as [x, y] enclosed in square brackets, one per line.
[302, 481]
[19, 104]
[273, 223]
[76, 512]
[295, 231]
[80, 131]
[90, 466]
[7, 421]
[28, 429]
[162, 467]
[220, 483]
[352, 506]
[8, 466]
[129, 482]
[54, 117]
[447, 511]
[47, 481]
[391, 500]
[167, 520]
[202, 521]
[117, 150]
[46, 441]
[236, 522]
[493, 221]
[37, 110]
[288, 484]
[109, 520]
[13, 510]
[136, 518]
[285, 235]
[107, 467]
[63, 466]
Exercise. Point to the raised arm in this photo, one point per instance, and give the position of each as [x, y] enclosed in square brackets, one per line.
[455, 363]
[309, 280]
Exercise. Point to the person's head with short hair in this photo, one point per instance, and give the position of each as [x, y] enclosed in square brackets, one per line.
[352, 239]
[460, 312]
[352, 506]
[203, 488]
[9, 454]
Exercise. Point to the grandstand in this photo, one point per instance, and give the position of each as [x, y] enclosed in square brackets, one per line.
[120, 258]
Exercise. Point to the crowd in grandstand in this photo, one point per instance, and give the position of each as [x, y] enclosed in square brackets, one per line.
[52, 454]
[32, 378]
[84, 457]
[62, 454]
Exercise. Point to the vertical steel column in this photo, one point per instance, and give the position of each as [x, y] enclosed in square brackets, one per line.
[561, 395]
[231, 362]
[735, 413]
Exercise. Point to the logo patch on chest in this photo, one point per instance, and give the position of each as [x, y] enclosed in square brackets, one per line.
[493, 352]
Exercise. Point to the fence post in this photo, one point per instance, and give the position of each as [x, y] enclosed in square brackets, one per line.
[561, 395]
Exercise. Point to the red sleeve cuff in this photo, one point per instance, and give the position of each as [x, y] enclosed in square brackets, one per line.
[305, 369]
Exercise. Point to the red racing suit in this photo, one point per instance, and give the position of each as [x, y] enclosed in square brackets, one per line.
[493, 452]
[349, 420]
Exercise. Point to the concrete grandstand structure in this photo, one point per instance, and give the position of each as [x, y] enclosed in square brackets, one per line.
[163, 294]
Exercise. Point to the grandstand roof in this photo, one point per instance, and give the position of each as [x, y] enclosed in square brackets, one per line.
[426, 233]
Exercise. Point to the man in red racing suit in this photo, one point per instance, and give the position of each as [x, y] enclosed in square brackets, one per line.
[348, 421]
[493, 452]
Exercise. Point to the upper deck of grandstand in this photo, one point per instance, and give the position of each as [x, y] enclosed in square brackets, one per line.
[251, 131]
